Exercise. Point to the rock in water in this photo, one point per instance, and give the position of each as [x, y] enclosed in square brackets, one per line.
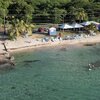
[6, 62]
[6, 66]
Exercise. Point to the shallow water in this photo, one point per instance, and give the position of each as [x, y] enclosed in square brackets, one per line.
[55, 73]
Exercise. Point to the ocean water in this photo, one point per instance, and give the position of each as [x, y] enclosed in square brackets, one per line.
[53, 73]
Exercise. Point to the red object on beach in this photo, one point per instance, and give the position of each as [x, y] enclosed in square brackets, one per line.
[41, 29]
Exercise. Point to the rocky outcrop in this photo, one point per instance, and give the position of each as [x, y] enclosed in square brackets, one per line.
[6, 61]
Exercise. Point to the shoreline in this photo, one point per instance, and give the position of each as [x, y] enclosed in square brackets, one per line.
[21, 45]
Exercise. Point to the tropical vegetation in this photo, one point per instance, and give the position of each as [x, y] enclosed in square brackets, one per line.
[20, 28]
[20, 13]
[54, 11]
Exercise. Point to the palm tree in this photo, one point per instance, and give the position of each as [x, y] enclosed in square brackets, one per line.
[91, 27]
[20, 28]
[29, 28]
[81, 15]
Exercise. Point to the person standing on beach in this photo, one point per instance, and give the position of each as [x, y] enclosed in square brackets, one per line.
[59, 35]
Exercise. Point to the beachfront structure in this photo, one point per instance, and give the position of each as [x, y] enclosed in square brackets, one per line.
[65, 26]
[76, 25]
[52, 31]
[86, 23]
[70, 26]
[89, 23]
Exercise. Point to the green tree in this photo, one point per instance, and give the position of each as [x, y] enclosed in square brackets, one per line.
[20, 28]
[51, 9]
[91, 27]
[93, 10]
[81, 15]
[21, 9]
[24, 9]
[78, 3]
[3, 9]
[59, 15]
[71, 13]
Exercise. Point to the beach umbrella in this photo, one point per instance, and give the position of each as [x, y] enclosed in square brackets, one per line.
[86, 23]
[93, 22]
[65, 26]
[76, 25]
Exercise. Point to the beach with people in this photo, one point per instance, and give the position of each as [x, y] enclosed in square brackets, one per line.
[49, 49]
[53, 36]
[26, 43]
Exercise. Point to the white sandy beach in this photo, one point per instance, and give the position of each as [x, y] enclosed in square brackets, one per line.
[26, 43]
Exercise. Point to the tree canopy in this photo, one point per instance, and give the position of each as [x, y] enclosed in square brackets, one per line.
[35, 10]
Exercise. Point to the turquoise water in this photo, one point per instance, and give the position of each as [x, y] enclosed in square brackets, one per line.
[54, 73]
